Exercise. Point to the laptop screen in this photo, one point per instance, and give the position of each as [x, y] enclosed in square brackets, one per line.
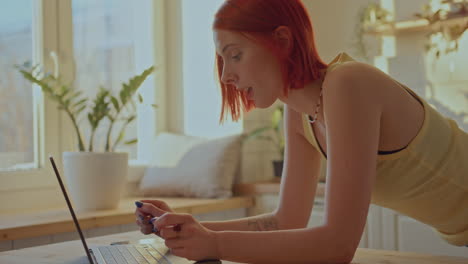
[72, 212]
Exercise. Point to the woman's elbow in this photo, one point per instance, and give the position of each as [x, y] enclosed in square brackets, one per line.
[340, 249]
[340, 254]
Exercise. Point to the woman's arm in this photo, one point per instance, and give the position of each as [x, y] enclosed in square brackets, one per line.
[300, 174]
[264, 222]
[311, 245]
[298, 183]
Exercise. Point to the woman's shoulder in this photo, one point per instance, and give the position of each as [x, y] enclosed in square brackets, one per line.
[355, 75]
[351, 81]
[348, 69]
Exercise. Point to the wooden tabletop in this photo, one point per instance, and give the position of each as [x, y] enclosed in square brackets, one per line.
[72, 252]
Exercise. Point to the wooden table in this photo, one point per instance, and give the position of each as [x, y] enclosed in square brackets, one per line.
[72, 252]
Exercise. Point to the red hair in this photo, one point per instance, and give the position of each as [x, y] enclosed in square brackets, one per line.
[258, 19]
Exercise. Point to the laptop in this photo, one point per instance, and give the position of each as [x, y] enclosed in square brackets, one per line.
[147, 251]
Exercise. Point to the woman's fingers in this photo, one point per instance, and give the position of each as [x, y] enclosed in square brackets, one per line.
[171, 232]
[169, 224]
[145, 208]
[174, 226]
[176, 221]
[145, 226]
[159, 204]
[142, 220]
[146, 229]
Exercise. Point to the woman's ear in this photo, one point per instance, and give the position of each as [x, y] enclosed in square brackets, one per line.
[283, 37]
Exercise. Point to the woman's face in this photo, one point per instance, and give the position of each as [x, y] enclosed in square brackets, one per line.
[249, 67]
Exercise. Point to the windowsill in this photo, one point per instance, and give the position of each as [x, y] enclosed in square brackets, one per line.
[36, 178]
[54, 221]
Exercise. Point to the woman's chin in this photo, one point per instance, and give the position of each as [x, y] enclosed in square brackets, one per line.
[263, 104]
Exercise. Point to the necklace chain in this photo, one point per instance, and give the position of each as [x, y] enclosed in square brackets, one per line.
[316, 108]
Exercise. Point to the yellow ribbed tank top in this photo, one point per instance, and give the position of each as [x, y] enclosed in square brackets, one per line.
[428, 180]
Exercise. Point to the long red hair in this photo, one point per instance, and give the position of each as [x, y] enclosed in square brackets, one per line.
[258, 19]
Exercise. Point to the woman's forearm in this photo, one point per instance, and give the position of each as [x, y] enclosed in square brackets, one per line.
[310, 245]
[264, 222]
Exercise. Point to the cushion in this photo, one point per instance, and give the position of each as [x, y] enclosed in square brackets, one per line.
[205, 170]
[169, 148]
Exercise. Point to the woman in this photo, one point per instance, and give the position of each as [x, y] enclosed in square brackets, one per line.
[382, 143]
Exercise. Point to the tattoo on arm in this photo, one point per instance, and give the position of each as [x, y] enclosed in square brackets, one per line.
[263, 224]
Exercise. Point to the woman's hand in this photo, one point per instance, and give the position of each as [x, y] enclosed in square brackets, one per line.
[186, 237]
[147, 209]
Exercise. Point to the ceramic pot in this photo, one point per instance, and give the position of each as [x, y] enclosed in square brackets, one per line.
[95, 180]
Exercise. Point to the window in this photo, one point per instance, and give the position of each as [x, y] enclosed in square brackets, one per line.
[112, 41]
[92, 44]
[202, 97]
[17, 133]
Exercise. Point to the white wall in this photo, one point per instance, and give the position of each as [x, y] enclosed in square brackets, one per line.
[334, 23]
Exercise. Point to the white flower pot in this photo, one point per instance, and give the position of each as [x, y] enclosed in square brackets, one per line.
[95, 180]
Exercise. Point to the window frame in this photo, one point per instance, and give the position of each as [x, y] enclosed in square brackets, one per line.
[45, 129]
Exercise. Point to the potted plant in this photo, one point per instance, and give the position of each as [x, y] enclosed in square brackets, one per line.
[96, 178]
[276, 137]
[449, 34]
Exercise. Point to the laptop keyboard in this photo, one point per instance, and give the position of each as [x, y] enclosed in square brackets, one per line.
[132, 254]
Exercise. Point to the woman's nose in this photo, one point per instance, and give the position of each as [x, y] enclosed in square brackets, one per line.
[228, 78]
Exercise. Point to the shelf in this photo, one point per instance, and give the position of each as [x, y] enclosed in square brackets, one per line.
[413, 26]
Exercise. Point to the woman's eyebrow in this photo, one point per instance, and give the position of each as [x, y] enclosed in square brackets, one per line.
[227, 46]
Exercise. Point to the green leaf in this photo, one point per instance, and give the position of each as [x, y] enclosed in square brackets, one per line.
[77, 93]
[77, 112]
[120, 137]
[80, 102]
[91, 120]
[140, 98]
[64, 90]
[115, 102]
[130, 119]
[123, 97]
[131, 142]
